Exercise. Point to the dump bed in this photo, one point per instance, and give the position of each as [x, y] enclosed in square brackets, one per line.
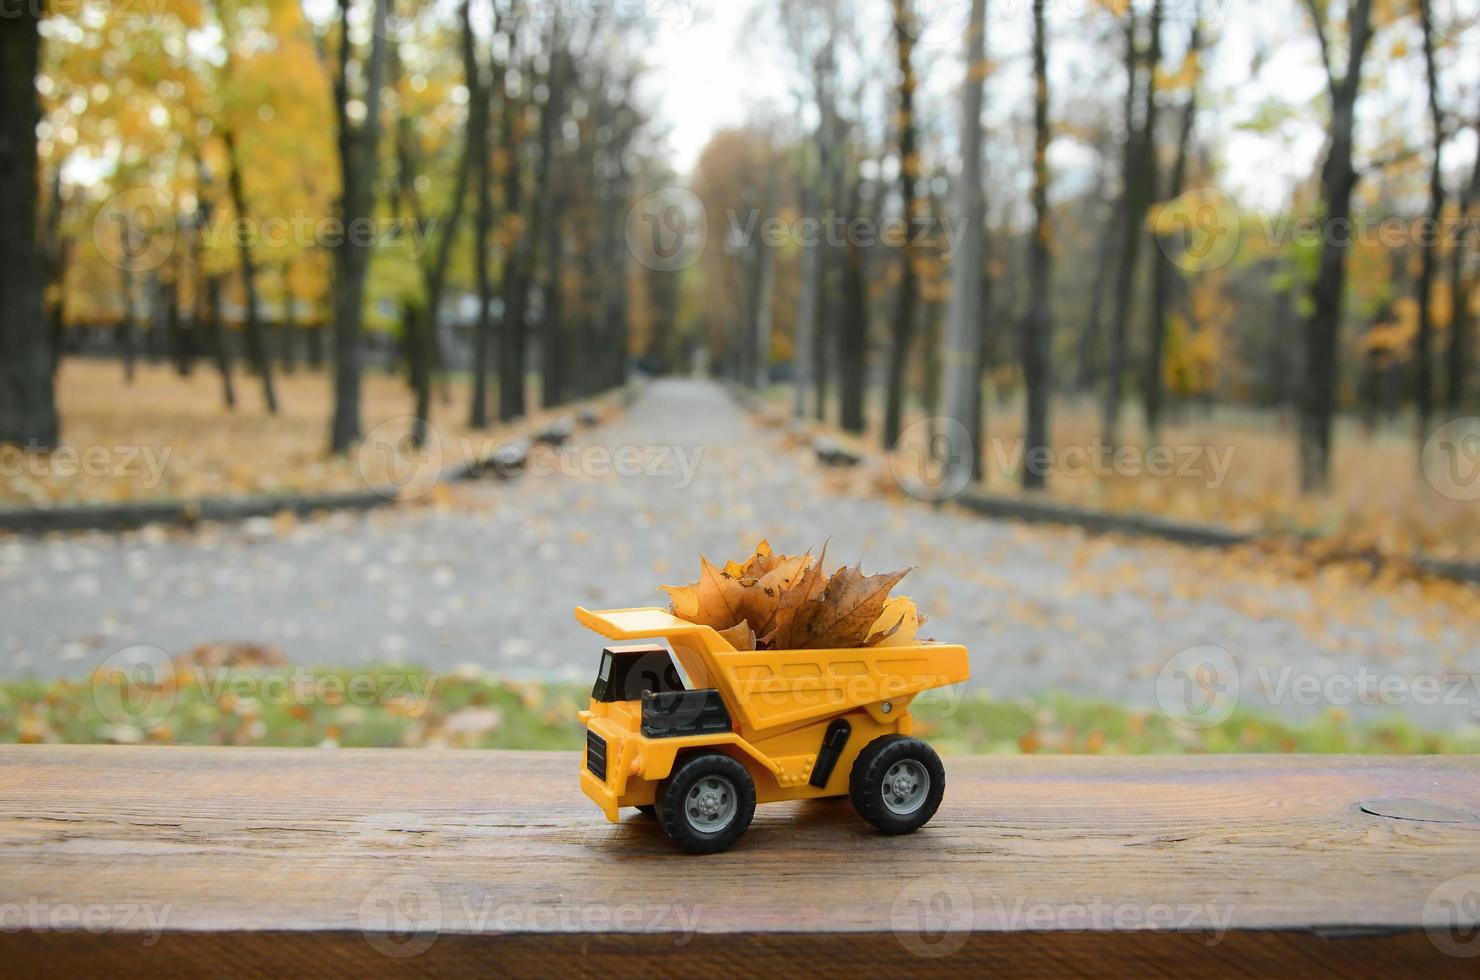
[769, 689]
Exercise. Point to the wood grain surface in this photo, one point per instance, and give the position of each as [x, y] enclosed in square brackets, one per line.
[243, 860]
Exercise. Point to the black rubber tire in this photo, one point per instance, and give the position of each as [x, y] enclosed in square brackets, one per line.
[866, 783]
[673, 817]
[648, 810]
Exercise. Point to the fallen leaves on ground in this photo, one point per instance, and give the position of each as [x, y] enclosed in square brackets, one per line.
[169, 437]
[471, 709]
[1235, 467]
[789, 602]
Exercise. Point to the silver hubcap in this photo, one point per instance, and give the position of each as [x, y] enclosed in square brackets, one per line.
[905, 786]
[711, 803]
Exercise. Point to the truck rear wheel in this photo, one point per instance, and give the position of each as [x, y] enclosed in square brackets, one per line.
[897, 783]
[707, 803]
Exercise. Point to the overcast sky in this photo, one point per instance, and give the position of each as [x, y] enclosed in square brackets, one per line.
[714, 61]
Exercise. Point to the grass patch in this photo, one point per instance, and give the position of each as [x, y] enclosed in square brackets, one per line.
[391, 707]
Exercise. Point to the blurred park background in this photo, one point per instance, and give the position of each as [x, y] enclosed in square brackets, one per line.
[474, 310]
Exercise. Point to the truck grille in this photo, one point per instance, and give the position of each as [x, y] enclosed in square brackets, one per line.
[596, 755]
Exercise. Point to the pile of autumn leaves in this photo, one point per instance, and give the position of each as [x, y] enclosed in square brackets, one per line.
[787, 602]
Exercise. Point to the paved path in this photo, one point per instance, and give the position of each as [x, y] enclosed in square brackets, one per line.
[489, 578]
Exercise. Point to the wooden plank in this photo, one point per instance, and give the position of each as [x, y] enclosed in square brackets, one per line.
[252, 859]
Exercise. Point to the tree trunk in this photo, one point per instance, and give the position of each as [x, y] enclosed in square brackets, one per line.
[1165, 271]
[207, 316]
[618, 259]
[909, 163]
[291, 334]
[125, 333]
[174, 332]
[419, 326]
[1038, 325]
[805, 354]
[1423, 375]
[552, 206]
[515, 285]
[218, 340]
[358, 161]
[1460, 291]
[1139, 181]
[28, 414]
[58, 258]
[1323, 323]
[1088, 364]
[256, 338]
[965, 325]
[479, 107]
[422, 321]
[853, 325]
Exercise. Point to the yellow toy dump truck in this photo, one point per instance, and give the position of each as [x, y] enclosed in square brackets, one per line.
[756, 727]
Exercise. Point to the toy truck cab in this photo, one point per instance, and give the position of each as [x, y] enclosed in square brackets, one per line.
[755, 726]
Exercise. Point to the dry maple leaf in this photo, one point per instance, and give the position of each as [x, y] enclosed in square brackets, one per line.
[809, 585]
[843, 615]
[777, 602]
[740, 636]
[715, 600]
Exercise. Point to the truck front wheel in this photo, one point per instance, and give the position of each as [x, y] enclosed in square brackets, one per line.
[707, 803]
[897, 783]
